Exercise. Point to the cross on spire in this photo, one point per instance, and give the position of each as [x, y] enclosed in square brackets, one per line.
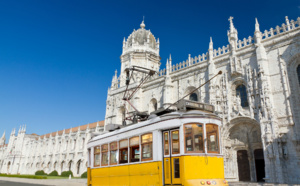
[230, 19]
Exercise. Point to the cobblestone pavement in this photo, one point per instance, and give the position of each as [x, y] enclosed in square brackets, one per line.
[36, 182]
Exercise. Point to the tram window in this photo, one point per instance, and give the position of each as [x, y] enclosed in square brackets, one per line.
[113, 153]
[166, 143]
[212, 138]
[176, 168]
[104, 155]
[97, 156]
[135, 149]
[175, 142]
[147, 147]
[123, 146]
[193, 138]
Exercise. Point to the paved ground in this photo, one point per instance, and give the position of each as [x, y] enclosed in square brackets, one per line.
[6, 181]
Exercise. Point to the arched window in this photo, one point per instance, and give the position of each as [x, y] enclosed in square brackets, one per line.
[298, 73]
[78, 166]
[70, 165]
[242, 93]
[194, 97]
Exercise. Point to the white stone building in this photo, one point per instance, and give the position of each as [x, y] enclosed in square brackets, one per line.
[61, 151]
[258, 95]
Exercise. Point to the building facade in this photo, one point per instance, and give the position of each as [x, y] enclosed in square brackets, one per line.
[61, 151]
[257, 96]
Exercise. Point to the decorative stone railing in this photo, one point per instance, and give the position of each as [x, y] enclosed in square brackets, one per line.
[285, 27]
[245, 42]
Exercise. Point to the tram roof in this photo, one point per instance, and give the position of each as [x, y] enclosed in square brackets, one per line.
[155, 119]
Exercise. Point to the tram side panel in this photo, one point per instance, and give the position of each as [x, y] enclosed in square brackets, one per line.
[202, 168]
[141, 174]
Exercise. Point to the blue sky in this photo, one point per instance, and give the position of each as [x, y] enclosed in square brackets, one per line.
[57, 57]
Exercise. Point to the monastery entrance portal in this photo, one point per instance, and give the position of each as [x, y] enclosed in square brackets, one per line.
[259, 164]
[243, 165]
[244, 152]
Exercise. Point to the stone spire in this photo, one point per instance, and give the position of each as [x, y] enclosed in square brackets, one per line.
[114, 82]
[3, 136]
[167, 67]
[210, 50]
[232, 29]
[2, 140]
[143, 25]
[13, 132]
[124, 43]
[257, 33]
[232, 35]
[211, 64]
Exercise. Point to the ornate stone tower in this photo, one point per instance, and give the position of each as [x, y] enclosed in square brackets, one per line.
[140, 49]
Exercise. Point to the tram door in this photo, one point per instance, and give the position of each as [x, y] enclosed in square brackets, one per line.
[171, 157]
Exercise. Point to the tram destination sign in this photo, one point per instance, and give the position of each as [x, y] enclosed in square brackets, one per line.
[189, 105]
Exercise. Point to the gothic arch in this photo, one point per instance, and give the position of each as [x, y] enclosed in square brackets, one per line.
[239, 92]
[8, 167]
[62, 166]
[42, 166]
[78, 165]
[292, 67]
[152, 105]
[70, 165]
[242, 136]
[195, 96]
[49, 166]
[55, 165]
[293, 84]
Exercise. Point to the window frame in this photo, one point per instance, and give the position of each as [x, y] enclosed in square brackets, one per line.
[120, 154]
[97, 153]
[203, 135]
[164, 148]
[116, 149]
[171, 150]
[218, 140]
[104, 151]
[131, 146]
[240, 95]
[142, 145]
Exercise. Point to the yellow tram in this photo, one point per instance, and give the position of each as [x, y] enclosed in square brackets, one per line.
[179, 147]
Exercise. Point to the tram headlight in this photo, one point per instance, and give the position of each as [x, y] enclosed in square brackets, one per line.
[202, 182]
[225, 182]
[208, 182]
